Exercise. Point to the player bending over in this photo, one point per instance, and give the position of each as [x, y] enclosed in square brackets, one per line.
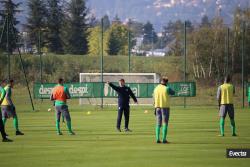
[60, 94]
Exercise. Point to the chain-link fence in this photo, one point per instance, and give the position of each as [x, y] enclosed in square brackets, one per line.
[203, 53]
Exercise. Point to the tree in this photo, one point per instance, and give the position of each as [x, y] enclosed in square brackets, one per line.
[117, 39]
[206, 51]
[149, 35]
[55, 20]
[76, 28]
[116, 20]
[205, 21]
[36, 21]
[1, 29]
[173, 36]
[94, 41]
[93, 21]
[135, 27]
[9, 10]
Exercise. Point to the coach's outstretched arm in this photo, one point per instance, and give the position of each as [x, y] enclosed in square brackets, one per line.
[116, 88]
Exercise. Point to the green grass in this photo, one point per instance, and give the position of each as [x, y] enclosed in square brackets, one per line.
[192, 133]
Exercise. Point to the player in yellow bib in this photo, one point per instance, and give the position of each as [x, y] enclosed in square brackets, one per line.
[2, 129]
[8, 107]
[161, 95]
[225, 95]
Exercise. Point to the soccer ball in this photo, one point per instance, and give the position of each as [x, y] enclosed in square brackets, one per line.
[146, 111]
[88, 113]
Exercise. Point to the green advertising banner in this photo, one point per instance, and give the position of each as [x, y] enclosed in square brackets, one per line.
[94, 89]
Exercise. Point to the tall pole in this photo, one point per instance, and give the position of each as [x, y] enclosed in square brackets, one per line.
[21, 59]
[7, 43]
[227, 51]
[129, 50]
[152, 47]
[102, 86]
[40, 55]
[242, 63]
[185, 57]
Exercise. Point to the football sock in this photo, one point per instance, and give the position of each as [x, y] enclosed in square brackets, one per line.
[157, 132]
[15, 123]
[233, 126]
[222, 123]
[58, 126]
[164, 132]
[4, 120]
[69, 126]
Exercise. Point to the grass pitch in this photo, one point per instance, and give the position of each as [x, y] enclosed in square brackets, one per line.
[192, 133]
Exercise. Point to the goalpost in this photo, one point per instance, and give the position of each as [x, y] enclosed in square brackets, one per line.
[114, 77]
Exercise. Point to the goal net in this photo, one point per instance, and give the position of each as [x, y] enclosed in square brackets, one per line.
[115, 77]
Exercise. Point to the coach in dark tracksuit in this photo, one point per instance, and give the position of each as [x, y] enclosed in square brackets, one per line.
[124, 94]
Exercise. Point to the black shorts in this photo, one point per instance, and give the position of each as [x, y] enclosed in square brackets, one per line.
[64, 111]
[227, 109]
[8, 111]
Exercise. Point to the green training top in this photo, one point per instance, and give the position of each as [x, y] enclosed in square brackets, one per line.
[3, 93]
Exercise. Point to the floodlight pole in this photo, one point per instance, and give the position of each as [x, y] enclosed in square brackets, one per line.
[40, 56]
[129, 50]
[102, 86]
[227, 50]
[7, 44]
[21, 60]
[185, 57]
[5, 25]
[242, 63]
[9, 25]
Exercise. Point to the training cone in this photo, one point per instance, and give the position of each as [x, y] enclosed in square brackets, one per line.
[88, 113]
[146, 111]
[49, 109]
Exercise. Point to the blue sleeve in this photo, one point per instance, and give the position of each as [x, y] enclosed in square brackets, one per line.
[170, 91]
[131, 94]
[116, 88]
